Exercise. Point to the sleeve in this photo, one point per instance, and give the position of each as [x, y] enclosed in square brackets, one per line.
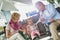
[52, 11]
[8, 27]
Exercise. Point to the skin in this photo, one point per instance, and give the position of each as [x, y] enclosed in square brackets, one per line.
[15, 20]
[24, 29]
[29, 22]
[40, 6]
[8, 34]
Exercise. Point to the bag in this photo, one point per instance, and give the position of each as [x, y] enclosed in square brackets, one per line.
[41, 27]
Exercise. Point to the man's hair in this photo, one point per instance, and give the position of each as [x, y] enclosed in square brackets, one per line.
[38, 3]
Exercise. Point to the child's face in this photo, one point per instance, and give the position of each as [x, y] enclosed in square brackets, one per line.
[30, 22]
[16, 19]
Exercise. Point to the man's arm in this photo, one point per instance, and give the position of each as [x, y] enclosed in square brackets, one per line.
[51, 10]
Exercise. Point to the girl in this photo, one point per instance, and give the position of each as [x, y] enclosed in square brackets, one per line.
[32, 29]
[13, 27]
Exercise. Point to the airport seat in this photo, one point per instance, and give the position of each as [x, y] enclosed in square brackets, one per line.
[58, 9]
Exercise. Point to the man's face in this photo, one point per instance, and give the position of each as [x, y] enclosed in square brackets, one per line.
[40, 6]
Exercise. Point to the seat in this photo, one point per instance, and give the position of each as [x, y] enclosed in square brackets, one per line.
[58, 9]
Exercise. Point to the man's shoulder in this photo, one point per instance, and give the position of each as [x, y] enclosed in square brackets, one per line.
[48, 5]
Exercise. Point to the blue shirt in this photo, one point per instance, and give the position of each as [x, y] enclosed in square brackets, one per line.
[50, 12]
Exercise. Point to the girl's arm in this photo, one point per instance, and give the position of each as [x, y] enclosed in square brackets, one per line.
[8, 33]
[28, 30]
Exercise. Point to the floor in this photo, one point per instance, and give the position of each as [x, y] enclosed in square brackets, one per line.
[3, 38]
[45, 38]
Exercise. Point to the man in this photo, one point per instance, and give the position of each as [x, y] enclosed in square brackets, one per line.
[49, 15]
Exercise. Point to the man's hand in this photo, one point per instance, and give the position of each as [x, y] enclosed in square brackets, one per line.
[52, 20]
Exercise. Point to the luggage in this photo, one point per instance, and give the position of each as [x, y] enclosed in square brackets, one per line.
[42, 28]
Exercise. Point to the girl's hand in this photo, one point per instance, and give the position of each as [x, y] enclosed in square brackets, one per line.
[8, 33]
[42, 19]
[24, 31]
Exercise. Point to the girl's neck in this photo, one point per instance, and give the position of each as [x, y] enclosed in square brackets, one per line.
[13, 21]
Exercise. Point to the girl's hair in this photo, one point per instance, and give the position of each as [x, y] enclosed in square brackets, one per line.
[15, 15]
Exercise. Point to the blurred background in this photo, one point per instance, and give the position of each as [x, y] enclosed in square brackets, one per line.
[25, 7]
